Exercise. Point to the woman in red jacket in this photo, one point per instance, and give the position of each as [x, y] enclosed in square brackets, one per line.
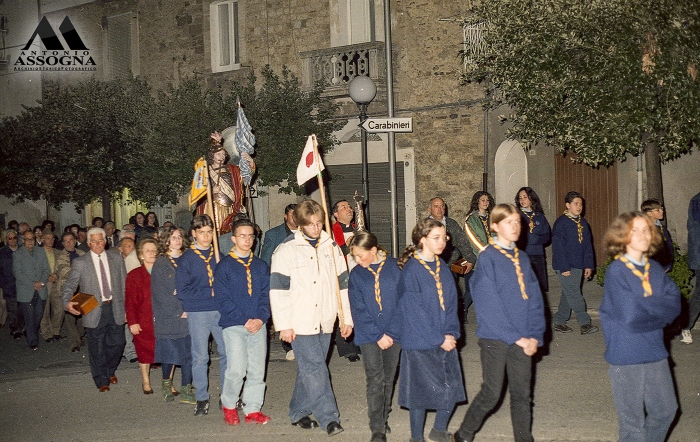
[139, 311]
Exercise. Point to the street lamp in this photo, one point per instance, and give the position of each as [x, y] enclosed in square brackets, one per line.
[362, 90]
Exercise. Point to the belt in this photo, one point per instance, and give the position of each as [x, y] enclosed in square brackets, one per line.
[109, 301]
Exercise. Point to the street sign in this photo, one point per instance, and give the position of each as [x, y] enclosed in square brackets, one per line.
[374, 125]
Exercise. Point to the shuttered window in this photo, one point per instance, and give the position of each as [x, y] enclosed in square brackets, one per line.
[346, 179]
[119, 46]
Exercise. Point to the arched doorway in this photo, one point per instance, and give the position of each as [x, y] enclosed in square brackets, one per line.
[510, 167]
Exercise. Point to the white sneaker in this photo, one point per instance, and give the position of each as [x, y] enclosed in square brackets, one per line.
[290, 355]
[686, 337]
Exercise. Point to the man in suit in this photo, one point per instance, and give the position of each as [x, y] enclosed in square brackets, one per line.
[52, 320]
[271, 239]
[31, 270]
[103, 275]
[112, 238]
[8, 285]
[274, 237]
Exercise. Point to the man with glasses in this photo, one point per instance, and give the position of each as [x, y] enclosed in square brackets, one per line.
[15, 319]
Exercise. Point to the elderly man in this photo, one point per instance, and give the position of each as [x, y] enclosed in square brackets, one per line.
[112, 238]
[74, 324]
[102, 275]
[274, 237]
[52, 319]
[458, 245]
[8, 285]
[31, 270]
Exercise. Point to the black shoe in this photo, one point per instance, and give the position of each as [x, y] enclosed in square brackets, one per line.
[378, 437]
[202, 408]
[51, 339]
[306, 423]
[33, 347]
[75, 348]
[58, 337]
[354, 357]
[17, 335]
[562, 328]
[457, 437]
[334, 428]
[588, 329]
[132, 360]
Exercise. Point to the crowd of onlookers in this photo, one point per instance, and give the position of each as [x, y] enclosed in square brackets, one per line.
[175, 290]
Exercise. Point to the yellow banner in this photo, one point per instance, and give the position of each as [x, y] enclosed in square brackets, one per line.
[199, 182]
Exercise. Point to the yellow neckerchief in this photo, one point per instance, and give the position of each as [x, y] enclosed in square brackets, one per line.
[172, 261]
[644, 277]
[377, 295]
[579, 226]
[210, 272]
[530, 217]
[436, 276]
[248, 275]
[485, 221]
[516, 262]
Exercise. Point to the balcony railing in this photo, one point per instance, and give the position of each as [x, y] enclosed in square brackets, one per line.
[336, 67]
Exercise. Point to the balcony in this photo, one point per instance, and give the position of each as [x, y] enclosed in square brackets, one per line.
[336, 67]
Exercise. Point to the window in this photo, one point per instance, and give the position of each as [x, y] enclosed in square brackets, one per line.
[223, 19]
[355, 22]
[122, 61]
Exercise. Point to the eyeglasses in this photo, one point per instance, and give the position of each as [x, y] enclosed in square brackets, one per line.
[10, 238]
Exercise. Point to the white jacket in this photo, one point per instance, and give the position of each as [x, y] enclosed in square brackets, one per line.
[303, 285]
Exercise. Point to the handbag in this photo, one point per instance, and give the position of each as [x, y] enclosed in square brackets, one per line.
[461, 266]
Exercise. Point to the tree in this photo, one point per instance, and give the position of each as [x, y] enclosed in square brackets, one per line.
[599, 78]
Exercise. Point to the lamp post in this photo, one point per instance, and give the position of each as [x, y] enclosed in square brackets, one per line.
[362, 90]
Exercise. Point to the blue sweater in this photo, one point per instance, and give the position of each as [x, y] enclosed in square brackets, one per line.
[192, 281]
[370, 322]
[231, 291]
[421, 323]
[567, 252]
[533, 243]
[501, 311]
[634, 325]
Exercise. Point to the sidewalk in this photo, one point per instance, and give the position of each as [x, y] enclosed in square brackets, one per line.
[49, 395]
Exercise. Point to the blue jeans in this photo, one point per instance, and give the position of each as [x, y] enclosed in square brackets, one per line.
[313, 393]
[641, 387]
[694, 303]
[201, 325]
[250, 350]
[571, 299]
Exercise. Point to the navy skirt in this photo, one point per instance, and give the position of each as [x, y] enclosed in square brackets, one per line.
[174, 351]
[430, 379]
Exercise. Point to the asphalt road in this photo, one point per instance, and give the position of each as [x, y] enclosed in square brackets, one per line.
[48, 395]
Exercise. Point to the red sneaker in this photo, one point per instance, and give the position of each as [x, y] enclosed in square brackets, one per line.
[231, 416]
[257, 418]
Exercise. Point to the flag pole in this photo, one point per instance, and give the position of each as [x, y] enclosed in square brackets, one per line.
[211, 212]
[324, 204]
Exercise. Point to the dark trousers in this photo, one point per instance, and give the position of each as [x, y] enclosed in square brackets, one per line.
[539, 266]
[74, 329]
[497, 360]
[15, 316]
[33, 312]
[345, 348]
[380, 371]
[105, 346]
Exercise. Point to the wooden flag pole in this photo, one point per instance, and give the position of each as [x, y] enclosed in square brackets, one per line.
[211, 212]
[324, 204]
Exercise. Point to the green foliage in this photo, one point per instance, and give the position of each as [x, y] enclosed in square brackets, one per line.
[599, 78]
[680, 274]
[95, 138]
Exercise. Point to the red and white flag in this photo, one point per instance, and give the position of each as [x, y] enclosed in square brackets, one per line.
[310, 164]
